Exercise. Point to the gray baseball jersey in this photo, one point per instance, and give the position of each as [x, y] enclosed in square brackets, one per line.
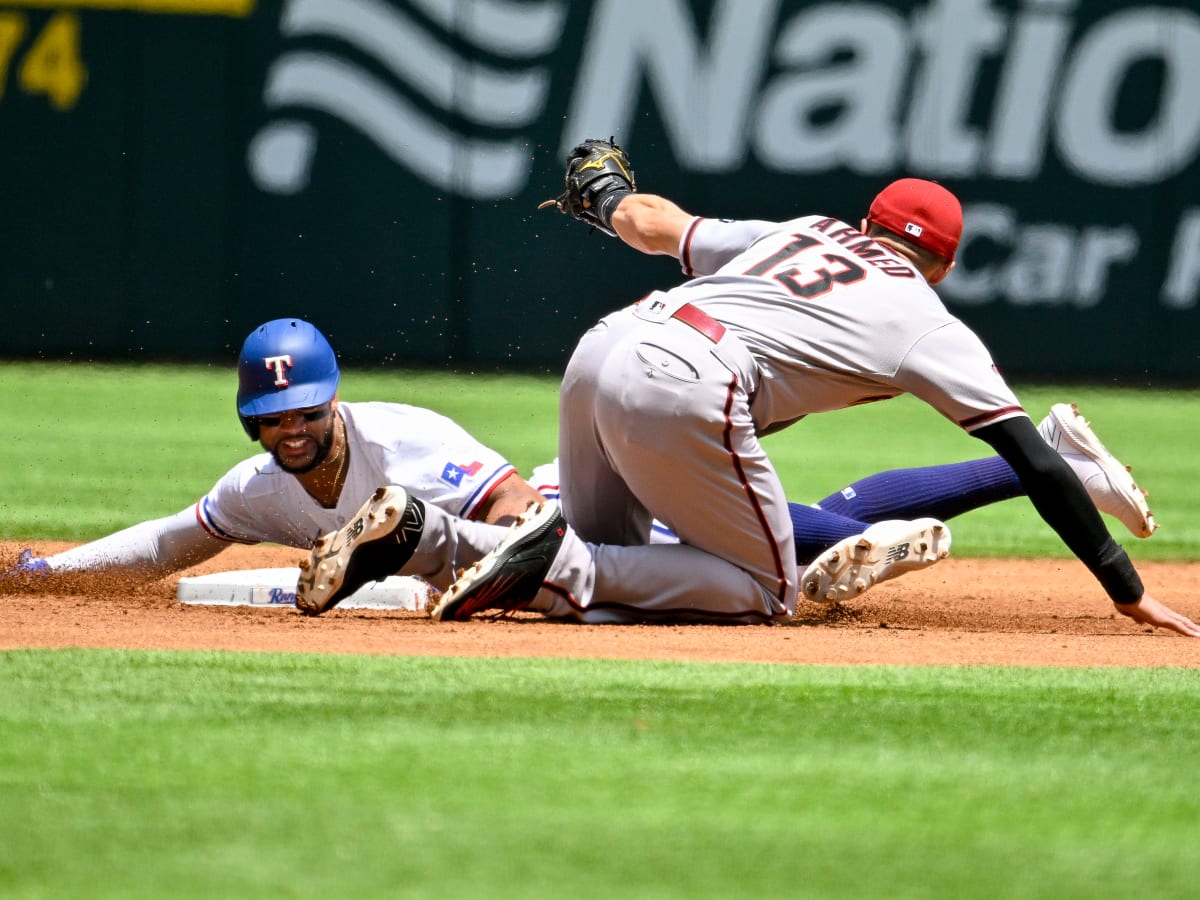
[834, 319]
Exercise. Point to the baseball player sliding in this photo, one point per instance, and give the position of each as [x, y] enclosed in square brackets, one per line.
[663, 404]
[321, 460]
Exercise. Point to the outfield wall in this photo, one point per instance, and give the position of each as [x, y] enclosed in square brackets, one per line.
[177, 171]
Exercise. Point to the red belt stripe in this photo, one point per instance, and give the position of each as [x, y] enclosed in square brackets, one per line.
[701, 321]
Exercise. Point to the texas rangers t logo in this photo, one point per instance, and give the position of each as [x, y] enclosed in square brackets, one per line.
[277, 363]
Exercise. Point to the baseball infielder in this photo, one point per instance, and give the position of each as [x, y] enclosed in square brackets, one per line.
[663, 404]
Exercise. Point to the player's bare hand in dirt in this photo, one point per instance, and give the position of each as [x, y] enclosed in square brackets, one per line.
[1149, 611]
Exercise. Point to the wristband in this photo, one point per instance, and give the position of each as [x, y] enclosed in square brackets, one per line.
[1117, 576]
[607, 205]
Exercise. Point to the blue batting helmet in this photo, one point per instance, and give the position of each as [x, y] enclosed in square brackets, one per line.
[285, 364]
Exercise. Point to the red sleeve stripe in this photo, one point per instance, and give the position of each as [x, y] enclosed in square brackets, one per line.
[211, 529]
[478, 500]
[549, 491]
[988, 418]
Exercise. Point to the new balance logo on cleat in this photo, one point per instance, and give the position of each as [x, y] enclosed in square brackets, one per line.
[378, 542]
[509, 577]
[885, 550]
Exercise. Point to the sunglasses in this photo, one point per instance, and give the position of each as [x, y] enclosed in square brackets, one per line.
[308, 415]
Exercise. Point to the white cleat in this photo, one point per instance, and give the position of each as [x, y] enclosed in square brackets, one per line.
[885, 550]
[377, 542]
[1108, 482]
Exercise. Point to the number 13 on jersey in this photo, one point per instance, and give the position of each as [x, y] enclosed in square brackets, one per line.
[809, 277]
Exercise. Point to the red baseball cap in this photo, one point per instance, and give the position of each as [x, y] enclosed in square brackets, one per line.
[921, 211]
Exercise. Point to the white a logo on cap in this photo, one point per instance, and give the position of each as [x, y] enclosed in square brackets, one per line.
[913, 229]
[277, 363]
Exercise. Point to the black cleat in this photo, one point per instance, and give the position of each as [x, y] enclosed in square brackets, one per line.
[510, 576]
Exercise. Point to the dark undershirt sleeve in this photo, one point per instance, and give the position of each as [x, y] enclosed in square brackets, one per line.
[1060, 499]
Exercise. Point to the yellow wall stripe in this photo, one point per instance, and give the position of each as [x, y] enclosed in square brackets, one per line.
[238, 9]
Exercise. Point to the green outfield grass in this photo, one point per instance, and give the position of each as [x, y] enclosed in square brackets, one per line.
[235, 775]
[96, 447]
[151, 774]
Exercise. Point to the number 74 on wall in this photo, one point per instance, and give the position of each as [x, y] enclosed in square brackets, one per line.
[51, 64]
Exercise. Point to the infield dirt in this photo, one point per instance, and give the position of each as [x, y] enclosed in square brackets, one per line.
[959, 612]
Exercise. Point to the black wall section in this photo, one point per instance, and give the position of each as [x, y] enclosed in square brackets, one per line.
[176, 171]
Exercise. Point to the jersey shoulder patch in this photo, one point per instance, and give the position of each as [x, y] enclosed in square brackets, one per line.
[453, 473]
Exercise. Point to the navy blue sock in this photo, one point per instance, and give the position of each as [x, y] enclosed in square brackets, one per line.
[939, 492]
[817, 530]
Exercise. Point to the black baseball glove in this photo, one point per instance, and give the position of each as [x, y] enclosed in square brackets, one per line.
[598, 175]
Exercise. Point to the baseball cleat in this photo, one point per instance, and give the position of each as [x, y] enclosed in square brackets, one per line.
[885, 550]
[1108, 482]
[510, 576]
[378, 541]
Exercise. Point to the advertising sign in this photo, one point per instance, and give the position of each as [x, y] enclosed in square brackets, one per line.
[179, 170]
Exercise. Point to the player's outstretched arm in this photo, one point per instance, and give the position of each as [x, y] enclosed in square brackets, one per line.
[148, 550]
[651, 224]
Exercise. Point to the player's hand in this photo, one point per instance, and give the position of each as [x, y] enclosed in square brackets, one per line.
[28, 564]
[511, 497]
[28, 570]
[1149, 611]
